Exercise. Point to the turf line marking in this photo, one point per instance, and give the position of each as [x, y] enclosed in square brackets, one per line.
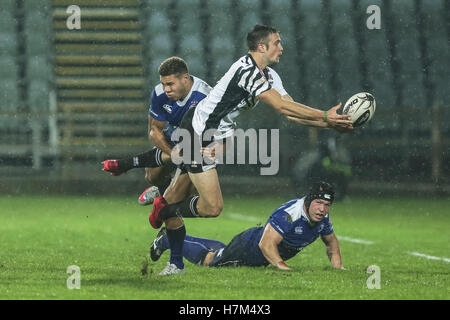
[428, 257]
[239, 216]
[360, 241]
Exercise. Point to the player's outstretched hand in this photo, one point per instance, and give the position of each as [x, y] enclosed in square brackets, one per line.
[339, 122]
[282, 266]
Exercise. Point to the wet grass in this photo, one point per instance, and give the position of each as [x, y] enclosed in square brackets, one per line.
[108, 239]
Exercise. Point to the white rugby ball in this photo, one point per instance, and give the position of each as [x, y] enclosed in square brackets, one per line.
[360, 107]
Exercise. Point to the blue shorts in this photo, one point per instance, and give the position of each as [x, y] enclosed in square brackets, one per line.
[243, 250]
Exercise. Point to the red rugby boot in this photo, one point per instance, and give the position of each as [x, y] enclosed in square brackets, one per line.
[112, 166]
[154, 219]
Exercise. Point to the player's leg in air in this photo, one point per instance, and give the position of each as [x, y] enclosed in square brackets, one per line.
[158, 171]
[177, 204]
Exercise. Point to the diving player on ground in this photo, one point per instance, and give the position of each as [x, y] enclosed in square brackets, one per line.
[290, 228]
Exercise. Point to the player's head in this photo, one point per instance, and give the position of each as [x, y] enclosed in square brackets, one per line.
[318, 200]
[266, 41]
[174, 76]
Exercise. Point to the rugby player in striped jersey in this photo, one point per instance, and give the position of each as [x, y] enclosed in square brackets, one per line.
[248, 80]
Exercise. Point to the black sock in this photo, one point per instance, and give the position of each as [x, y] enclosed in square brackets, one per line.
[186, 209]
[148, 159]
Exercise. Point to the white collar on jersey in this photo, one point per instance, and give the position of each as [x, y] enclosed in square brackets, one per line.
[302, 211]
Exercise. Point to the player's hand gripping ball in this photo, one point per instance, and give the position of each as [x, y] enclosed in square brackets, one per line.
[360, 107]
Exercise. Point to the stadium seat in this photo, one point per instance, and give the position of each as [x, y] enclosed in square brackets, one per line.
[438, 50]
[379, 71]
[37, 44]
[8, 6]
[37, 22]
[407, 46]
[157, 5]
[43, 6]
[7, 22]
[8, 44]
[189, 23]
[221, 19]
[9, 92]
[38, 67]
[158, 23]
[9, 68]
[191, 45]
[281, 18]
[345, 51]
[38, 95]
[160, 45]
[317, 75]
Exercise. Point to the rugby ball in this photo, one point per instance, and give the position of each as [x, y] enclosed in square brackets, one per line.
[360, 107]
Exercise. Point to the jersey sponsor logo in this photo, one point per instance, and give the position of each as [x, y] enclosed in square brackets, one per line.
[193, 103]
[168, 108]
[321, 228]
[298, 230]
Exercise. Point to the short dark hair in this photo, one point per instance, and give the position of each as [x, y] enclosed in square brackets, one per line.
[259, 34]
[173, 65]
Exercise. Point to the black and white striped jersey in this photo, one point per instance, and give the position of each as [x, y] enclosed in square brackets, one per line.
[235, 92]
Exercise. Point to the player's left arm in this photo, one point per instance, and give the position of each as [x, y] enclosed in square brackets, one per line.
[333, 250]
[269, 247]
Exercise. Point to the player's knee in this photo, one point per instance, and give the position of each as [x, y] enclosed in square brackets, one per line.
[216, 210]
[154, 177]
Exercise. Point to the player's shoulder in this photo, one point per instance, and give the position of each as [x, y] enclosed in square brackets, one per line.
[273, 73]
[245, 62]
[293, 208]
[158, 90]
[200, 87]
[159, 96]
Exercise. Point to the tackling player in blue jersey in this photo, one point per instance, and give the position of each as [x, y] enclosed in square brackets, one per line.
[289, 229]
[170, 100]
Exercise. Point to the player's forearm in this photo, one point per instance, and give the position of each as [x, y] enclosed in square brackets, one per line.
[270, 252]
[310, 123]
[297, 110]
[158, 139]
[334, 255]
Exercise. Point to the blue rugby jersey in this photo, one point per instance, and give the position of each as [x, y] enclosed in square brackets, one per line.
[172, 112]
[291, 221]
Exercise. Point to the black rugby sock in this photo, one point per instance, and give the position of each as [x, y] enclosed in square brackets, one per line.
[186, 209]
[148, 159]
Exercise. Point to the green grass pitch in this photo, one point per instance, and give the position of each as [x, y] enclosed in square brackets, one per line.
[108, 239]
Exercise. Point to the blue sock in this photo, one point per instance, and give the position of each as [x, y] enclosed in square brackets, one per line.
[176, 241]
[195, 249]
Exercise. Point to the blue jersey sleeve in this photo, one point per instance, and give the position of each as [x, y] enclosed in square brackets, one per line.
[328, 227]
[156, 111]
[281, 221]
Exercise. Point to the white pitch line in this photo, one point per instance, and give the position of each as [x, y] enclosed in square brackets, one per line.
[428, 257]
[239, 216]
[360, 241]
